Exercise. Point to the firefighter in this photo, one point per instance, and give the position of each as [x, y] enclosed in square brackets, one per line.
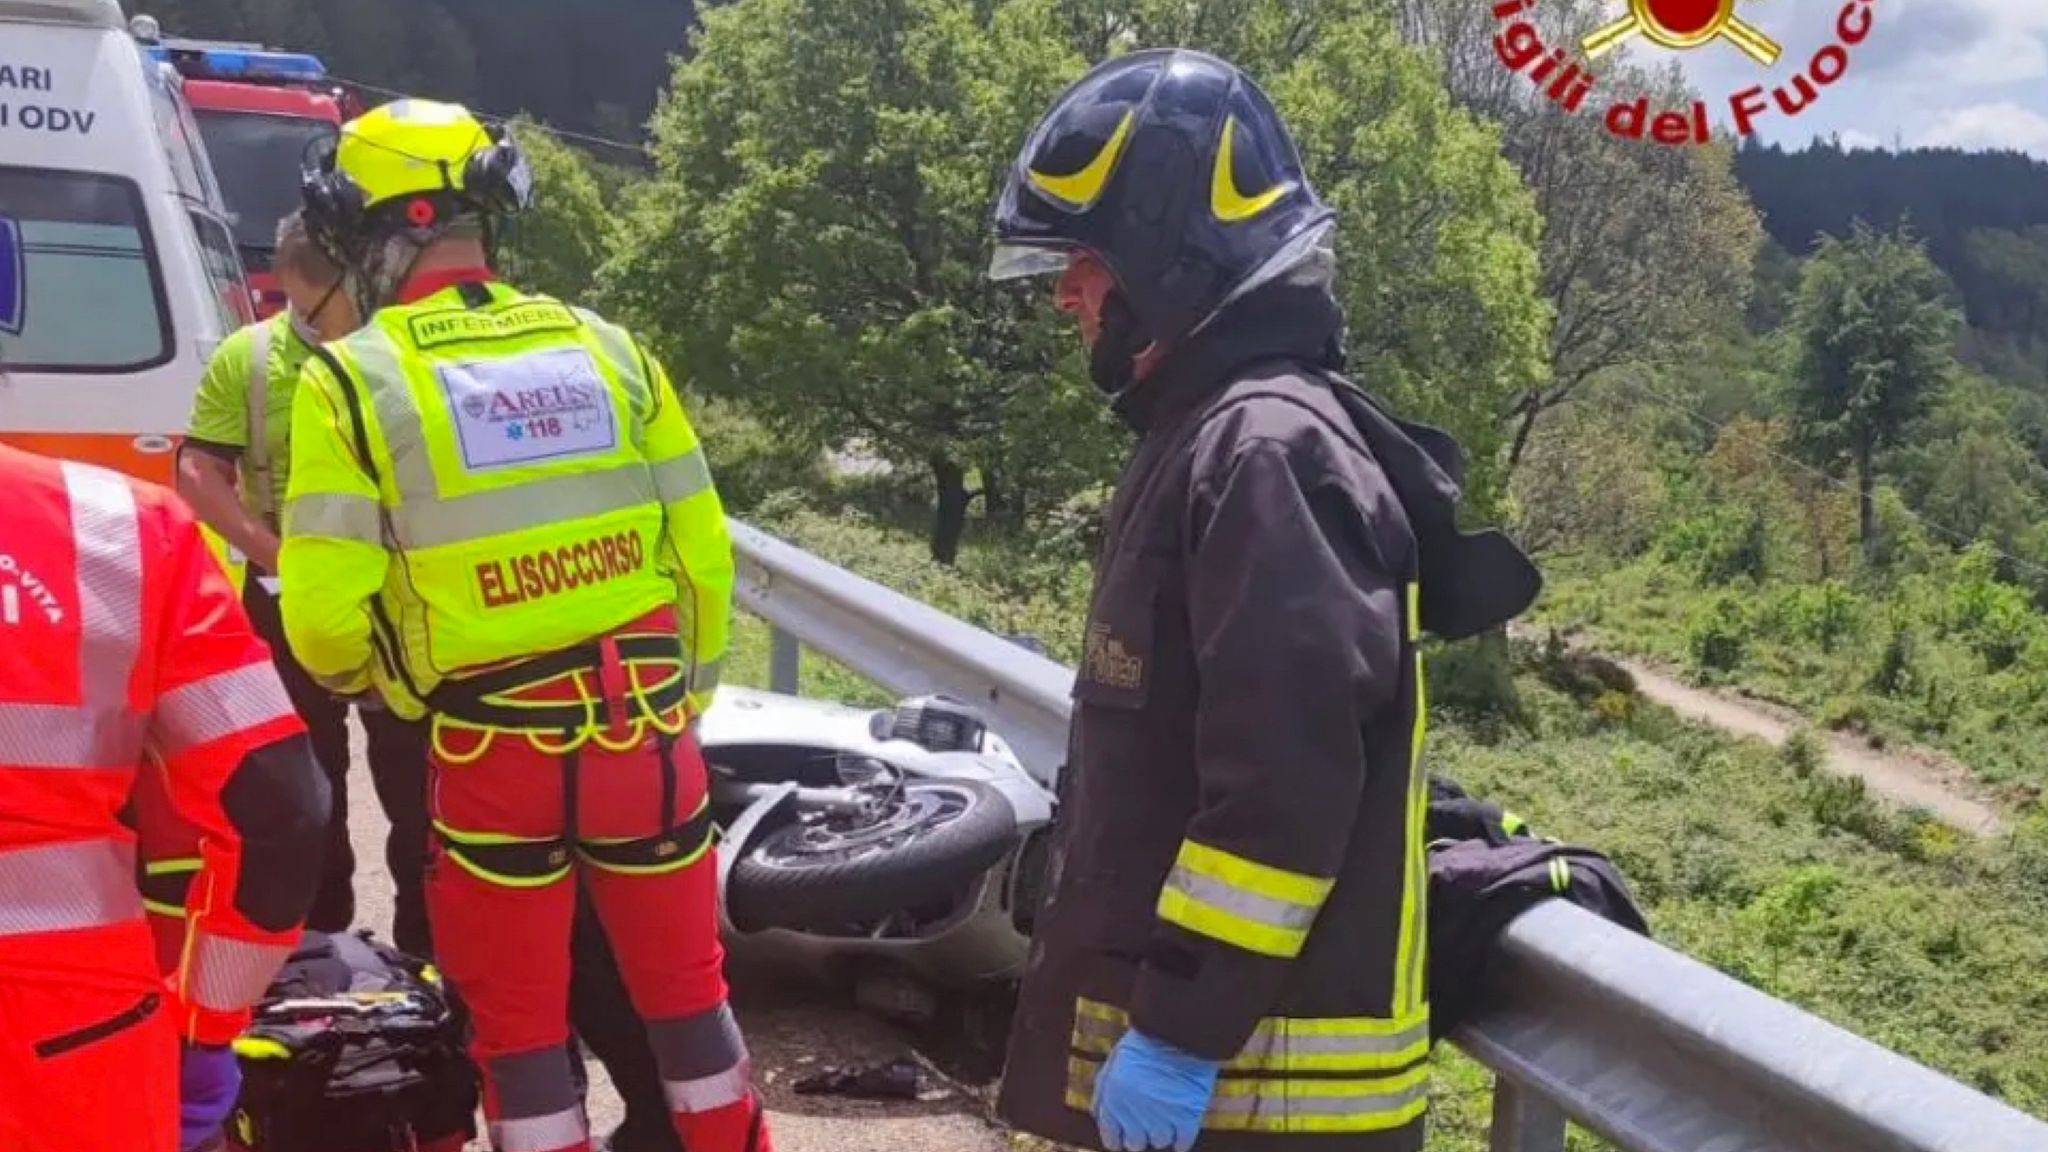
[499, 519]
[1233, 950]
[124, 641]
[233, 467]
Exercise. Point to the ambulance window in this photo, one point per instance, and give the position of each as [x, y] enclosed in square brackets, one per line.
[174, 127]
[80, 287]
[230, 293]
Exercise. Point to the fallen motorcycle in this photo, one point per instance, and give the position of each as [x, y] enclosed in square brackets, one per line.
[906, 840]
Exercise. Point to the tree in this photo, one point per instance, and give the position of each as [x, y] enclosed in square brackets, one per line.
[817, 235]
[1876, 330]
[816, 240]
[1645, 248]
[556, 247]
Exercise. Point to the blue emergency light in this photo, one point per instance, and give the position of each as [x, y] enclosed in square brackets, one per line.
[239, 63]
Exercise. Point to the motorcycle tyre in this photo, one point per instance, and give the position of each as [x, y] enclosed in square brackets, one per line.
[933, 864]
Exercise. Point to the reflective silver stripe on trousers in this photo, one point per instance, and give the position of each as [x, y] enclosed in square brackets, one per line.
[220, 706]
[538, 1110]
[66, 887]
[540, 1133]
[1284, 914]
[228, 975]
[703, 1060]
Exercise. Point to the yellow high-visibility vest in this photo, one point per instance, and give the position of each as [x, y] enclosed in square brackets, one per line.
[482, 476]
[230, 557]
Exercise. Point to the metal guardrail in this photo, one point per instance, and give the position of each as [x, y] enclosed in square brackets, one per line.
[1586, 1023]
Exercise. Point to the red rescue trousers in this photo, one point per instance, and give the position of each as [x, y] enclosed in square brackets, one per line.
[88, 1065]
[503, 939]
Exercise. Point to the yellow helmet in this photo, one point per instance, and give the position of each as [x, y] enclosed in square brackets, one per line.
[414, 163]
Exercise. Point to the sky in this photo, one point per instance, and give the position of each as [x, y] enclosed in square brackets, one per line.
[1965, 73]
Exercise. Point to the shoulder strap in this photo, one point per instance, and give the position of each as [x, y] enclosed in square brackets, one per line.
[257, 454]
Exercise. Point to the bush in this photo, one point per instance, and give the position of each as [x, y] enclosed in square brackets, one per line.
[1475, 680]
[1803, 754]
[1718, 636]
[1997, 620]
[1894, 672]
[1822, 614]
[1720, 546]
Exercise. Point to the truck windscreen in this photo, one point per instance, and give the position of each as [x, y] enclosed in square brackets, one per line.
[80, 287]
[257, 157]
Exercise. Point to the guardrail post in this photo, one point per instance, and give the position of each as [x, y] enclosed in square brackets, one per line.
[1524, 1121]
[785, 663]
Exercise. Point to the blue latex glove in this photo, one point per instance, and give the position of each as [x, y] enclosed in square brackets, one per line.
[209, 1079]
[1152, 1095]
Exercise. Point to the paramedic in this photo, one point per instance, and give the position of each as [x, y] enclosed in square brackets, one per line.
[500, 520]
[240, 438]
[124, 641]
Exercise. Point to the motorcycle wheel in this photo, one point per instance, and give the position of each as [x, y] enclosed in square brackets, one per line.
[815, 874]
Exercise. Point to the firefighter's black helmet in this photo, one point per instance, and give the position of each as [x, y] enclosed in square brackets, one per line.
[1173, 168]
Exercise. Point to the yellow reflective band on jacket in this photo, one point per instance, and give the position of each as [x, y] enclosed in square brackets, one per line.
[1285, 1044]
[1290, 1077]
[1560, 875]
[473, 486]
[1411, 962]
[1254, 906]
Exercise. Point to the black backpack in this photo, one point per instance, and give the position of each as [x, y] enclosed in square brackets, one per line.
[356, 1048]
[1486, 868]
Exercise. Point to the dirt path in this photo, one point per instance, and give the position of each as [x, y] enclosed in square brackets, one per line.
[792, 1031]
[1911, 778]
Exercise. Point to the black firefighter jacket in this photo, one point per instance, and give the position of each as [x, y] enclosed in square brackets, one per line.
[1240, 870]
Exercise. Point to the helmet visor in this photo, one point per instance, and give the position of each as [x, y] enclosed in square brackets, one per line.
[1020, 261]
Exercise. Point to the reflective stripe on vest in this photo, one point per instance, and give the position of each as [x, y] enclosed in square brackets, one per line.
[1254, 906]
[67, 887]
[228, 975]
[1282, 1080]
[101, 731]
[703, 1060]
[256, 456]
[219, 706]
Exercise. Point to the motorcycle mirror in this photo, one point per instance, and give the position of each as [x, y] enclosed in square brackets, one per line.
[935, 723]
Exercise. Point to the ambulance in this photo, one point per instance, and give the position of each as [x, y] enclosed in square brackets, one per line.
[119, 273]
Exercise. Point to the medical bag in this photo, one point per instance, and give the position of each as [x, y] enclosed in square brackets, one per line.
[356, 1048]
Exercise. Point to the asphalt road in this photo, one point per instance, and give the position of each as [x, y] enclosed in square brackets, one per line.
[793, 1030]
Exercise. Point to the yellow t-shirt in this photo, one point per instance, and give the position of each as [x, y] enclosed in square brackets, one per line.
[220, 410]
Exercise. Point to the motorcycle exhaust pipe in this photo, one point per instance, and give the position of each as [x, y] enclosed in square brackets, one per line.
[844, 800]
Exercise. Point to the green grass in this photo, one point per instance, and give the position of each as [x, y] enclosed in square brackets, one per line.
[1889, 925]
[1939, 661]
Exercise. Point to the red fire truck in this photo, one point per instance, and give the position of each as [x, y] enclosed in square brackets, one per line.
[260, 113]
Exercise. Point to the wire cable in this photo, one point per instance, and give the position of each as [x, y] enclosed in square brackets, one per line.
[1960, 539]
[495, 118]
